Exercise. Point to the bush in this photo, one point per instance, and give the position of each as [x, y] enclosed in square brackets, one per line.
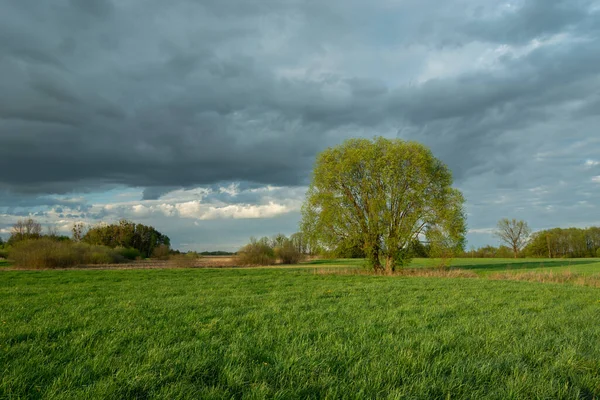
[129, 253]
[3, 253]
[161, 252]
[48, 253]
[598, 252]
[257, 252]
[288, 253]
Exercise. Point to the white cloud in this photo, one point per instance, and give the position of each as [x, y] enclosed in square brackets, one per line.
[246, 211]
[591, 163]
[232, 189]
[596, 179]
[485, 231]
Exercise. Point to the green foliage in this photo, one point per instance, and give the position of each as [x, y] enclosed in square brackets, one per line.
[490, 252]
[257, 252]
[287, 252]
[48, 253]
[216, 253]
[560, 243]
[598, 252]
[4, 252]
[127, 234]
[128, 253]
[161, 252]
[288, 334]
[382, 194]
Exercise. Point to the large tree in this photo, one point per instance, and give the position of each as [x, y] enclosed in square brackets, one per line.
[514, 233]
[382, 194]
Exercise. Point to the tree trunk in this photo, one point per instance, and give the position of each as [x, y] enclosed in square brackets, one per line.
[390, 264]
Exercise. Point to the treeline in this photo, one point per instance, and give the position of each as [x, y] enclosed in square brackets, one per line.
[564, 243]
[28, 246]
[489, 252]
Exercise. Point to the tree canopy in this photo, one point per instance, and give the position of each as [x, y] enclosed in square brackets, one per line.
[382, 195]
[126, 234]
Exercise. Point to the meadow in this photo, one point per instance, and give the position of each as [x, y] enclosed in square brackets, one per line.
[296, 333]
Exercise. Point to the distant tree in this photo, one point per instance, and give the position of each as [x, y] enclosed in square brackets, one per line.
[515, 233]
[25, 229]
[77, 231]
[382, 194]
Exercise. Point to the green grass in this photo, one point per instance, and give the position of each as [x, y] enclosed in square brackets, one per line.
[5, 263]
[290, 333]
[485, 266]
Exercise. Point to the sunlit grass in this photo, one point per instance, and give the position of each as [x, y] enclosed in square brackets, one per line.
[484, 266]
[290, 333]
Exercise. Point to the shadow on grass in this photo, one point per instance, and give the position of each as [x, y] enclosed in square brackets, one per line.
[337, 261]
[530, 264]
[5, 263]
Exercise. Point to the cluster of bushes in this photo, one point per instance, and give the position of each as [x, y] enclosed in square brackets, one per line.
[267, 251]
[48, 253]
[143, 238]
[102, 244]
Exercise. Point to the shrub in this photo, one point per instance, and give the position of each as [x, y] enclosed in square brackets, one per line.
[128, 253]
[257, 252]
[288, 253]
[598, 252]
[161, 252]
[48, 253]
[3, 253]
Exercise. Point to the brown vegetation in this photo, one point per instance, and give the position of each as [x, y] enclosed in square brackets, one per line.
[550, 277]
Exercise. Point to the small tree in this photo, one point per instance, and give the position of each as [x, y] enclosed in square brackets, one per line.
[78, 232]
[515, 233]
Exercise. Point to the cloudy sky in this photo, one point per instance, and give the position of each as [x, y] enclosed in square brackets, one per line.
[203, 117]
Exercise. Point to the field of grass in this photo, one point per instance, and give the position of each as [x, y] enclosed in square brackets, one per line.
[485, 266]
[291, 333]
[5, 263]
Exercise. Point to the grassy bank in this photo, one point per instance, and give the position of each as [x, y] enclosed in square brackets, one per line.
[266, 333]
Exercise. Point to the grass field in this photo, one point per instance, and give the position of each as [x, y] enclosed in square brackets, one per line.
[291, 333]
[486, 266]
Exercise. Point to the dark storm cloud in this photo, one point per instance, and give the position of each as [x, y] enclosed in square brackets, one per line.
[157, 95]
